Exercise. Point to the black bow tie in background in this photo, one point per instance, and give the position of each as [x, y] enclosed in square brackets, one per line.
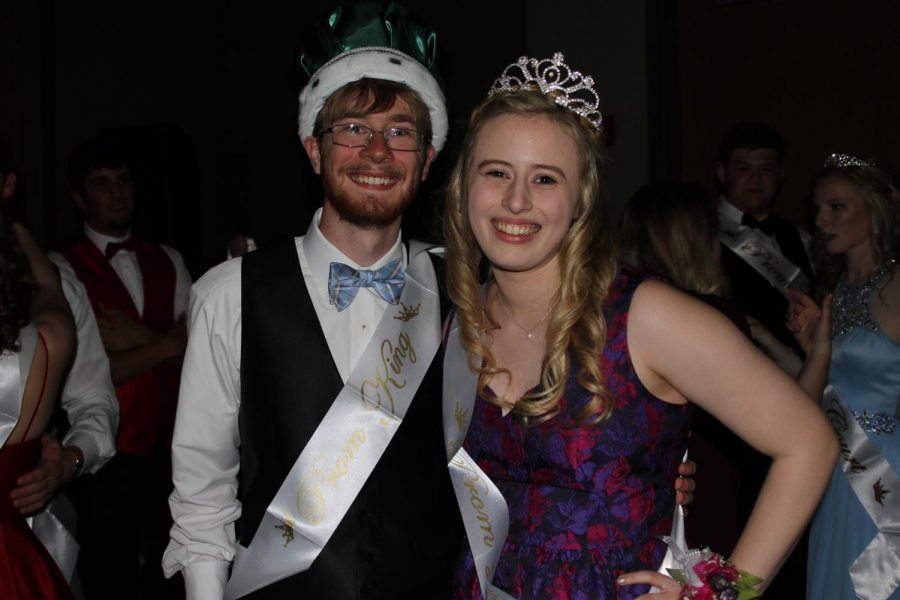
[767, 225]
[127, 244]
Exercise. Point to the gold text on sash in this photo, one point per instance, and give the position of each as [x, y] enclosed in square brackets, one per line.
[477, 488]
[326, 471]
[754, 249]
[389, 374]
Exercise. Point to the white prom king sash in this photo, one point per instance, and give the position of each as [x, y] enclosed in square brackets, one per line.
[14, 369]
[484, 511]
[876, 572]
[350, 440]
[762, 253]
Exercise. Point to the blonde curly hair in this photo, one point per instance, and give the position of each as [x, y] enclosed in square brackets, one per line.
[577, 326]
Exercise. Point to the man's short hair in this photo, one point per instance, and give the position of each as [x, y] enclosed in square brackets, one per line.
[100, 153]
[366, 96]
[751, 136]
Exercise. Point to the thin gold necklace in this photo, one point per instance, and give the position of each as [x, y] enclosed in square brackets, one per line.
[529, 333]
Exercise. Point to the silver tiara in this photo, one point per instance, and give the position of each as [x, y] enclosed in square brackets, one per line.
[836, 159]
[577, 91]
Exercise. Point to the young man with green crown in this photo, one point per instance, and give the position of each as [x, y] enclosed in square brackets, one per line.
[308, 451]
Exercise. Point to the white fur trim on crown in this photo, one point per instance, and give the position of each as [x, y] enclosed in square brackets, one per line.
[376, 63]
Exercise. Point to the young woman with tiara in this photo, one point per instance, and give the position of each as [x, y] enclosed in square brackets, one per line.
[37, 341]
[854, 541]
[568, 376]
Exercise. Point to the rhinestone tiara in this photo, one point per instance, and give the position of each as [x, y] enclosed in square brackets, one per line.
[836, 160]
[577, 91]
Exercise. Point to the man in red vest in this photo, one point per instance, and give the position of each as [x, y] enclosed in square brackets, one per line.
[139, 292]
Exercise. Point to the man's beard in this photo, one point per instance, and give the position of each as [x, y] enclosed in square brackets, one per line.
[368, 211]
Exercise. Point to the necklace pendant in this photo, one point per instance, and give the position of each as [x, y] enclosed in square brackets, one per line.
[529, 335]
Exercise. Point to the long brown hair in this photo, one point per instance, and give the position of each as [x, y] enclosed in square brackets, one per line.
[670, 229]
[577, 327]
[16, 285]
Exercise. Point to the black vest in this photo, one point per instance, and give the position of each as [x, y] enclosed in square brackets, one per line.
[403, 532]
[754, 294]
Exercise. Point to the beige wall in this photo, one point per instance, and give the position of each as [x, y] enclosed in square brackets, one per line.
[605, 39]
[822, 72]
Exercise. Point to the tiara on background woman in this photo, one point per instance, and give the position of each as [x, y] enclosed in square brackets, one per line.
[576, 91]
[835, 160]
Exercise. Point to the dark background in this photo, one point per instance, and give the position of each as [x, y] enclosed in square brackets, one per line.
[205, 93]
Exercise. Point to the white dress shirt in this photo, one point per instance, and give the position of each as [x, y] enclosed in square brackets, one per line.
[88, 395]
[730, 222]
[205, 447]
[730, 216]
[125, 264]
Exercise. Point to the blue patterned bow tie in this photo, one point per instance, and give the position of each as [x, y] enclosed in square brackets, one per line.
[345, 281]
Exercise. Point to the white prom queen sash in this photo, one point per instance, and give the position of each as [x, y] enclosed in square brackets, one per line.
[678, 555]
[350, 440]
[876, 572]
[55, 536]
[484, 511]
[14, 369]
[761, 253]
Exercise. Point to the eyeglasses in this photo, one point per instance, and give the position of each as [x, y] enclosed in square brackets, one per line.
[352, 135]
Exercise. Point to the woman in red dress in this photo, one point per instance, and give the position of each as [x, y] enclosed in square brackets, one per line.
[37, 341]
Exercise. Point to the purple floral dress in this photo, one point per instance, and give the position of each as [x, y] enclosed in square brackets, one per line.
[586, 504]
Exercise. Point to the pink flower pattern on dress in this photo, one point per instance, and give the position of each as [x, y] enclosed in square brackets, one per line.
[586, 504]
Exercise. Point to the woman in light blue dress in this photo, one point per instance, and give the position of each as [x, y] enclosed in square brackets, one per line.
[858, 227]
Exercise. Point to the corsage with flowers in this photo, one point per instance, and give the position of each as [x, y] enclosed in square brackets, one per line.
[705, 575]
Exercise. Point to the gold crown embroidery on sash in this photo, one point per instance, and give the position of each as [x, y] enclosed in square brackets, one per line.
[462, 415]
[407, 313]
[880, 491]
[287, 532]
